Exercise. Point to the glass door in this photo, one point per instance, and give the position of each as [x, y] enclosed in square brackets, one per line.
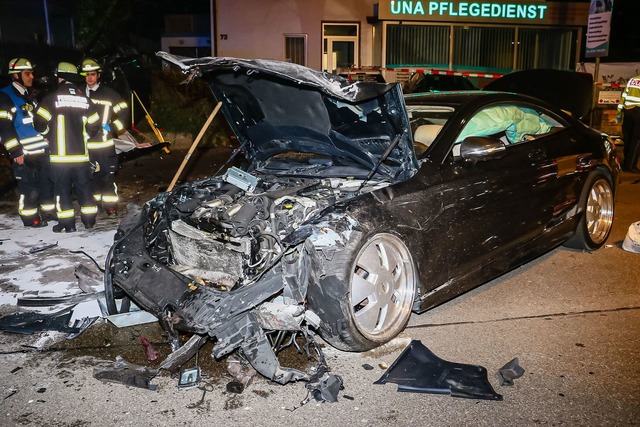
[340, 46]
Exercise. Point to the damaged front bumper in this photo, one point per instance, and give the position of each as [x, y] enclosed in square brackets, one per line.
[183, 304]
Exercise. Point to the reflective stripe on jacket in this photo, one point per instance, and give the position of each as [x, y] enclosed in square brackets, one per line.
[27, 140]
[114, 113]
[631, 95]
[69, 118]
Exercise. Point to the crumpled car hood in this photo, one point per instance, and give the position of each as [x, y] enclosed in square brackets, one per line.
[275, 107]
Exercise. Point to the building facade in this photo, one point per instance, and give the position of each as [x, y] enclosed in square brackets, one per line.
[482, 35]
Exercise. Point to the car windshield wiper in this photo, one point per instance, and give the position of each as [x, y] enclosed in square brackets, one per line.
[382, 158]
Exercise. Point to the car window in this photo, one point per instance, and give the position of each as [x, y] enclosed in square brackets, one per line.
[512, 124]
[426, 122]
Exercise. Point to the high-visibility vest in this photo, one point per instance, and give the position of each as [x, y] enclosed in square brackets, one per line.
[631, 95]
[28, 138]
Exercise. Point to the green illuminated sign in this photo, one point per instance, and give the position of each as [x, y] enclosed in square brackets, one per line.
[448, 9]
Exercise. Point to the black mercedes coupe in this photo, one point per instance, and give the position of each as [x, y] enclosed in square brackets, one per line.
[357, 207]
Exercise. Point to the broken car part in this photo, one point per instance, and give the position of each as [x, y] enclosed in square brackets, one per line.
[509, 372]
[418, 370]
[127, 373]
[51, 301]
[189, 377]
[42, 248]
[29, 323]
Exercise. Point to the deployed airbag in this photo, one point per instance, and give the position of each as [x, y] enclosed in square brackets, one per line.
[515, 122]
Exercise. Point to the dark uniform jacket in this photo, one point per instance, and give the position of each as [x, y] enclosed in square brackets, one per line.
[68, 118]
[114, 113]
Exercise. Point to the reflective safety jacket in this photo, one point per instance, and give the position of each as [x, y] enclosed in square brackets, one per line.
[68, 118]
[631, 95]
[114, 114]
[21, 137]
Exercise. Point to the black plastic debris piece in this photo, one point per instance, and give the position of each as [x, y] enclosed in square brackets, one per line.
[418, 370]
[127, 373]
[367, 367]
[29, 323]
[64, 299]
[510, 372]
[42, 248]
[327, 390]
[11, 391]
[235, 387]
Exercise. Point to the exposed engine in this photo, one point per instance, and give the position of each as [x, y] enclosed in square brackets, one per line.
[227, 230]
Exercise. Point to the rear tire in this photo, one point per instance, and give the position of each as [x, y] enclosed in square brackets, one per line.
[597, 206]
[366, 296]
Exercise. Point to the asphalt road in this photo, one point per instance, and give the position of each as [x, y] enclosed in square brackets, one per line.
[571, 318]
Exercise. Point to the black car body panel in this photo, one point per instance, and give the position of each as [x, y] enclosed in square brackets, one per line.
[551, 86]
[237, 256]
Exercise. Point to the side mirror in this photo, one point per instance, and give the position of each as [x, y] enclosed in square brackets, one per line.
[482, 148]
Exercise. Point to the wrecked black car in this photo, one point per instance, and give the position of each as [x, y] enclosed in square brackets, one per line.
[357, 208]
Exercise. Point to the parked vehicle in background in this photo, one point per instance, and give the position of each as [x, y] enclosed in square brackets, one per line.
[425, 82]
[361, 74]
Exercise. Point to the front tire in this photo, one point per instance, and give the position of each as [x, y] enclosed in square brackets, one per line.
[367, 294]
[597, 206]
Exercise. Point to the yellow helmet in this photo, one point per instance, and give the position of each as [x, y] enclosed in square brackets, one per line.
[18, 65]
[66, 68]
[89, 64]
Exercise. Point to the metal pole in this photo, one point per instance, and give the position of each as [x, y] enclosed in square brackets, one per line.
[594, 98]
[212, 23]
[46, 20]
[194, 145]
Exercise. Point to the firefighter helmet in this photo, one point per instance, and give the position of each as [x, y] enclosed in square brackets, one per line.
[18, 65]
[66, 68]
[89, 64]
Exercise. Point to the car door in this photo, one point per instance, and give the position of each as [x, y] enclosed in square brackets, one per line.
[502, 204]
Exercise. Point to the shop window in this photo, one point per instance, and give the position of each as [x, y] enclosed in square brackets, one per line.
[295, 48]
[483, 48]
[546, 48]
[479, 48]
[418, 45]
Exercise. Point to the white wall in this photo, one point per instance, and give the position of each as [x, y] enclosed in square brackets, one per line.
[255, 28]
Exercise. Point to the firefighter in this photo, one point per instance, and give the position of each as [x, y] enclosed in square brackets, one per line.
[68, 117]
[114, 116]
[630, 105]
[28, 149]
